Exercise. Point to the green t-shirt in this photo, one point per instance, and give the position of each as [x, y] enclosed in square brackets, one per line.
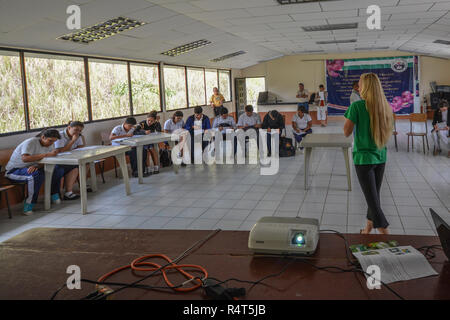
[365, 151]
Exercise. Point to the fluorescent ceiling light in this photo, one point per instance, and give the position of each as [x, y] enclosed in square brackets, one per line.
[185, 48]
[102, 30]
[446, 42]
[329, 27]
[228, 56]
[336, 41]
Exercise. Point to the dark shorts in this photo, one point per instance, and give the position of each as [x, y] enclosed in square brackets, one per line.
[67, 168]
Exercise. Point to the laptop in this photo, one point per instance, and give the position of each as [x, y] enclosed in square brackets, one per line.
[443, 231]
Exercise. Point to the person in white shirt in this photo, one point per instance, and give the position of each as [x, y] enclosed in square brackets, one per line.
[303, 96]
[249, 119]
[322, 101]
[301, 124]
[24, 166]
[224, 122]
[354, 96]
[126, 130]
[71, 138]
[173, 124]
[441, 123]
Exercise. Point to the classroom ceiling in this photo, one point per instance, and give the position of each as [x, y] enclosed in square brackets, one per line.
[262, 28]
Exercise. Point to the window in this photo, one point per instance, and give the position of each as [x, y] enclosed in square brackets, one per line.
[12, 116]
[175, 87]
[145, 88]
[56, 90]
[211, 82]
[109, 89]
[254, 86]
[224, 84]
[196, 86]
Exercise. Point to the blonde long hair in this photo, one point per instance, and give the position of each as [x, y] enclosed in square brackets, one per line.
[380, 112]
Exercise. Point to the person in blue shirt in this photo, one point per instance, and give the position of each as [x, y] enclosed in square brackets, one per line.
[198, 121]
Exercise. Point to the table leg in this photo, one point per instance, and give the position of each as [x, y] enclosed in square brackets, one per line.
[347, 166]
[123, 166]
[93, 176]
[175, 166]
[308, 152]
[48, 168]
[139, 151]
[83, 188]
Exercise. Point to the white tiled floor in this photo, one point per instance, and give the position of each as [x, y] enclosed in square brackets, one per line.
[234, 197]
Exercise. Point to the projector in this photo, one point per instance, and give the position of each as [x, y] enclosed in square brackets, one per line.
[284, 236]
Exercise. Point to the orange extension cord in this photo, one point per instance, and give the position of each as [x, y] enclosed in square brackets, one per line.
[140, 264]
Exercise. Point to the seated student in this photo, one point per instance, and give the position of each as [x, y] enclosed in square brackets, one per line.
[198, 121]
[273, 120]
[249, 119]
[301, 124]
[173, 124]
[441, 124]
[224, 122]
[126, 130]
[71, 138]
[23, 166]
[151, 125]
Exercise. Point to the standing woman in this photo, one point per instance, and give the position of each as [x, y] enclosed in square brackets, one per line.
[216, 102]
[373, 121]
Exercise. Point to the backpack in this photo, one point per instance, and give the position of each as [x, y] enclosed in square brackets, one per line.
[165, 158]
[286, 147]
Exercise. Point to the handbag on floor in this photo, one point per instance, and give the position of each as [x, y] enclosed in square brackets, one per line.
[165, 158]
[286, 147]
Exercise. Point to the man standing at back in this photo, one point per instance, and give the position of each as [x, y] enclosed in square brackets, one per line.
[303, 96]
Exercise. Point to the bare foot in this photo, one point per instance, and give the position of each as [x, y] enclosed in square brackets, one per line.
[383, 230]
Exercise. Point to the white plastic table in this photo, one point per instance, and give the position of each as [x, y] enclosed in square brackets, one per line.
[327, 140]
[81, 157]
[140, 141]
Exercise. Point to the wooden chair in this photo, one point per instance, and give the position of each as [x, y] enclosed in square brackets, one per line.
[5, 154]
[5, 183]
[4, 187]
[107, 142]
[417, 118]
[395, 132]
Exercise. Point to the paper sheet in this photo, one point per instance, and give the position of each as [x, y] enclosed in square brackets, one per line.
[396, 263]
[88, 148]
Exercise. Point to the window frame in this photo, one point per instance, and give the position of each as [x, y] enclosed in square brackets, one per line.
[43, 55]
[130, 86]
[85, 58]
[204, 86]
[185, 84]
[229, 83]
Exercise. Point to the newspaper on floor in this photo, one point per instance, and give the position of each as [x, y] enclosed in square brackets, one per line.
[396, 263]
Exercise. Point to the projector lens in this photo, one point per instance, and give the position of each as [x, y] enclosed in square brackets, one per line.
[298, 239]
